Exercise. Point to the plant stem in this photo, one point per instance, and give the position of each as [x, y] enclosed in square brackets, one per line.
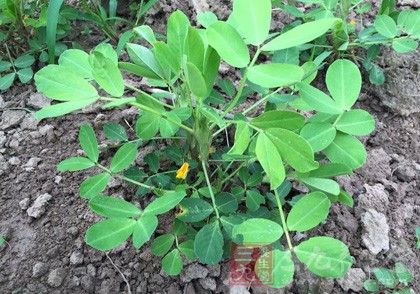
[233, 173]
[148, 95]
[235, 100]
[125, 178]
[213, 200]
[283, 220]
[175, 122]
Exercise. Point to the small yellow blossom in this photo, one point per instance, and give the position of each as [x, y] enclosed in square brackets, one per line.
[183, 171]
[352, 22]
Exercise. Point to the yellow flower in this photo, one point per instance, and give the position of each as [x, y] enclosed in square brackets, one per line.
[183, 171]
[352, 22]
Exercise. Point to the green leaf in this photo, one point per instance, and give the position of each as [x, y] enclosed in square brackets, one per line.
[281, 271]
[75, 164]
[152, 161]
[376, 75]
[330, 170]
[284, 119]
[253, 200]
[403, 273]
[194, 210]
[92, 186]
[58, 83]
[196, 80]
[107, 74]
[118, 103]
[25, 75]
[7, 80]
[344, 82]
[226, 203]
[320, 184]
[356, 122]
[371, 285]
[108, 51]
[179, 228]
[24, 61]
[88, 142]
[195, 48]
[206, 18]
[144, 229]
[167, 128]
[125, 156]
[145, 58]
[386, 26]
[324, 256]
[347, 150]
[242, 138]
[62, 108]
[113, 207]
[289, 55]
[412, 24]
[254, 18]
[140, 70]
[162, 244]
[4, 65]
[345, 198]
[172, 263]
[167, 57]
[77, 61]
[386, 277]
[146, 32]
[114, 131]
[147, 126]
[318, 99]
[229, 222]
[318, 135]
[273, 75]
[294, 149]
[187, 248]
[257, 231]
[208, 244]
[164, 203]
[53, 15]
[270, 159]
[301, 34]
[177, 30]
[404, 45]
[2, 240]
[109, 233]
[308, 212]
[228, 43]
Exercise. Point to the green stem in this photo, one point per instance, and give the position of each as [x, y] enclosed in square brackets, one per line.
[125, 178]
[233, 173]
[148, 95]
[337, 119]
[213, 199]
[283, 220]
[175, 122]
[235, 100]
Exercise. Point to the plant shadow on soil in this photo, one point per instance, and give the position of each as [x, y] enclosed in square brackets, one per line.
[49, 255]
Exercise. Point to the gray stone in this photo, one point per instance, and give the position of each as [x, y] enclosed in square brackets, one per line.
[74, 282]
[375, 236]
[3, 139]
[238, 289]
[56, 277]
[32, 163]
[401, 89]
[14, 144]
[29, 122]
[109, 286]
[46, 130]
[214, 270]
[412, 3]
[193, 271]
[38, 208]
[39, 269]
[76, 258]
[91, 270]
[407, 172]
[11, 118]
[38, 101]
[2, 103]
[375, 198]
[72, 231]
[208, 283]
[377, 166]
[353, 280]
[88, 283]
[24, 203]
[14, 160]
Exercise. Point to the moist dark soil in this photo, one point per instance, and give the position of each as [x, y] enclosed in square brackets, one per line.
[48, 254]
